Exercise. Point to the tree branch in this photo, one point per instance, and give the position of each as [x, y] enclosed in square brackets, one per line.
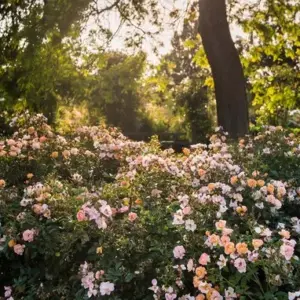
[107, 8]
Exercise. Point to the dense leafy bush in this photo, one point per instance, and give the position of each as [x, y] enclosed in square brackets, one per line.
[95, 215]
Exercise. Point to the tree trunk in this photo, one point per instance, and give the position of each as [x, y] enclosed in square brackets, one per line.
[230, 84]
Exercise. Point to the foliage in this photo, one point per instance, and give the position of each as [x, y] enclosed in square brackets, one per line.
[95, 215]
[270, 55]
[113, 89]
[185, 77]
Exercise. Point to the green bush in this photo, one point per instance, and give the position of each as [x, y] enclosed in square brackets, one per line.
[95, 215]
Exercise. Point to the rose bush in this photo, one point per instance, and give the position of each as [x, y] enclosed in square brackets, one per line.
[95, 215]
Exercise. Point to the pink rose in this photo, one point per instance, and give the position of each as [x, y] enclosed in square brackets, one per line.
[10, 142]
[8, 291]
[240, 264]
[123, 209]
[253, 256]
[287, 251]
[227, 231]
[187, 210]
[204, 259]
[216, 296]
[132, 216]
[99, 274]
[170, 296]
[19, 249]
[28, 235]
[179, 252]
[81, 216]
[190, 265]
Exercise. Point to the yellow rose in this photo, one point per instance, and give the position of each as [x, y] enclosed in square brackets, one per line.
[186, 151]
[261, 182]
[54, 154]
[126, 201]
[211, 186]
[11, 243]
[201, 272]
[99, 250]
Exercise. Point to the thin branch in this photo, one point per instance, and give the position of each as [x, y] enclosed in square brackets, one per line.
[107, 8]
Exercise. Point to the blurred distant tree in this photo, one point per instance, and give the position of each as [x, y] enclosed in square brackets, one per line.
[114, 86]
[41, 49]
[188, 79]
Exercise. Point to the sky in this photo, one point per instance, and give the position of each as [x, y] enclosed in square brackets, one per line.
[112, 20]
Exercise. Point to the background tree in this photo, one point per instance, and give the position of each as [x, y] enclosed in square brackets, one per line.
[270, 56]
[40, 46]
[114, 90]
[190, 77]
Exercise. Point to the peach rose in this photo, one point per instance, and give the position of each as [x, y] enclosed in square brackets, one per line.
[214, 239]
[241, 248]
[225, 239]
[31, 130]
[257, 243]
[201, 172]
[251, 183]
[233, 180]
[2, 183]
[285, 234]
[270, 188]
[19, 249]
[196, 281]
[211, 186]
[220, 224]
[42, 139]
[132, 216]
[229, 248]
[201, 272]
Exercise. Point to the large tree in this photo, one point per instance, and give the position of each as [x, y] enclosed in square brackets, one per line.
[229, 80]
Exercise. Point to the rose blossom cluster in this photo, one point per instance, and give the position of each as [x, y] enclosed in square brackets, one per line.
[226, 218]
[93, 282]
[101, 214]
[34, 196]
